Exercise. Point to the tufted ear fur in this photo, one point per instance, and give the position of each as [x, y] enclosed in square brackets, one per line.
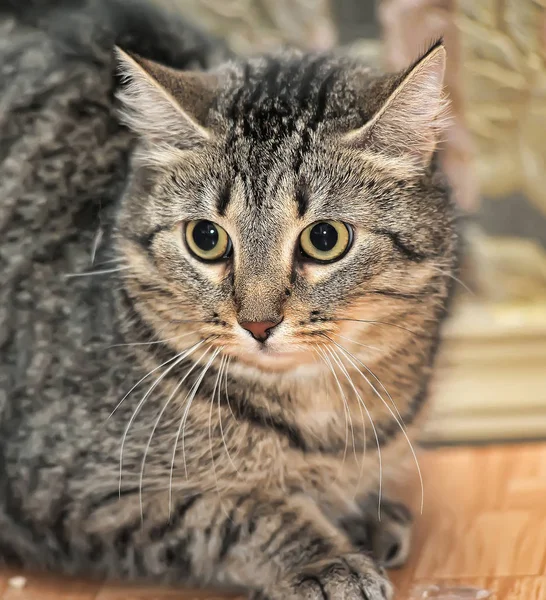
[164, 106]
[408, 125]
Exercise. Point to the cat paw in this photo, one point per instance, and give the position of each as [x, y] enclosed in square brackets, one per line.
[352, 577]
[388, 540]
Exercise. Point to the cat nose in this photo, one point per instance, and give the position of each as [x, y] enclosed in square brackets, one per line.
[260, 330]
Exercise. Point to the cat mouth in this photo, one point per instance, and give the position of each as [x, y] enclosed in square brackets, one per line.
[276, 359]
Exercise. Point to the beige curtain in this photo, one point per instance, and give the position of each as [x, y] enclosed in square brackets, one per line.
[255, 25]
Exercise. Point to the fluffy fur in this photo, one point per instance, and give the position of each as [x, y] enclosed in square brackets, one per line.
[143, 432]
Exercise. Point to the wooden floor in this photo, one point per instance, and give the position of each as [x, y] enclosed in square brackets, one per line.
[484, 525]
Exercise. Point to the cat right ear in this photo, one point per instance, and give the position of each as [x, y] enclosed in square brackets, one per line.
[164, 106]
[408, 127]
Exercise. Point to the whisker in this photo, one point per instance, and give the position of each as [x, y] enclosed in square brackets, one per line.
[178, 360]
[217, 391]
[222, 432]
[328, 363]
[329, 350]
[227, 398]
[456, 279]
[140, 381]
[361, 401]
[181, 428]
[384, 323]
[369, 371]
[176, 337]
[216, 383]
[91, 273]
[109, 261]
[402, 429]
[357, 343]
[226, 388]
[346, 410]
[193, 394]
[96, 243]
[156, 424]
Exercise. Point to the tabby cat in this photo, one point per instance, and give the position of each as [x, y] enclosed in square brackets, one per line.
[218, 316]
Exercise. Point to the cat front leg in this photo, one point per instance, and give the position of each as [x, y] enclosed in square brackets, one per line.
[287, 549]
[276, 548]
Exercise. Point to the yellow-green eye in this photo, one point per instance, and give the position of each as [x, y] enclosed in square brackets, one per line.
[326, 241]
[207, 240]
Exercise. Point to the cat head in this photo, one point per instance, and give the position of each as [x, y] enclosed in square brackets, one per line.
[282, 200]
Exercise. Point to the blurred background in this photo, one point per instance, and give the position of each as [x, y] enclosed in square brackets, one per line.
[491, 382]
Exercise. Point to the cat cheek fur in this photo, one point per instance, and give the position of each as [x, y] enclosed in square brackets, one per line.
[228, 472]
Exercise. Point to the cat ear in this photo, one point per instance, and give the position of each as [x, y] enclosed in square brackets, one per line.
[408, 125]
[165, 106]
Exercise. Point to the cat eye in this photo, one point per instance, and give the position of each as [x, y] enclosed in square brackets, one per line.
[207, 240]
[326, 241]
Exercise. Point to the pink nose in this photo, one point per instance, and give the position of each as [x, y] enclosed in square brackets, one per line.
[259, 330]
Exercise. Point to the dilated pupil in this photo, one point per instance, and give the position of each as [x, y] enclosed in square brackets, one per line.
[205, 235]
[324, 237]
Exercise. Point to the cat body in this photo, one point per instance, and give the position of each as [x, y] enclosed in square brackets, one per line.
[169, 416]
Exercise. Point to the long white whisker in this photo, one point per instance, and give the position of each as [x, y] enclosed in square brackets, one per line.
[346, 401]
[386, 323]
[382, 387]
[96, 243]
[91, 273]
[156, 424]
[357, 343]
[141, 380]
[226, 388]
[189, 400]
[369, 371]
[222, 431]
[218, 391]
[227, 399]
[179, 359]
[361, 401]
[336, 360]
[456, 279]
[108, 262]
[137, 411]
[216, 383]
[189, 403]
[404, 432]
[176, 337]
[346, 410]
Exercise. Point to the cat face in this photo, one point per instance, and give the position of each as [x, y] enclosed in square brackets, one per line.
[281, 202]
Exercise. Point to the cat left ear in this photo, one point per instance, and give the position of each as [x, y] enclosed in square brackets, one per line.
[408, 125]
[165, 106]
